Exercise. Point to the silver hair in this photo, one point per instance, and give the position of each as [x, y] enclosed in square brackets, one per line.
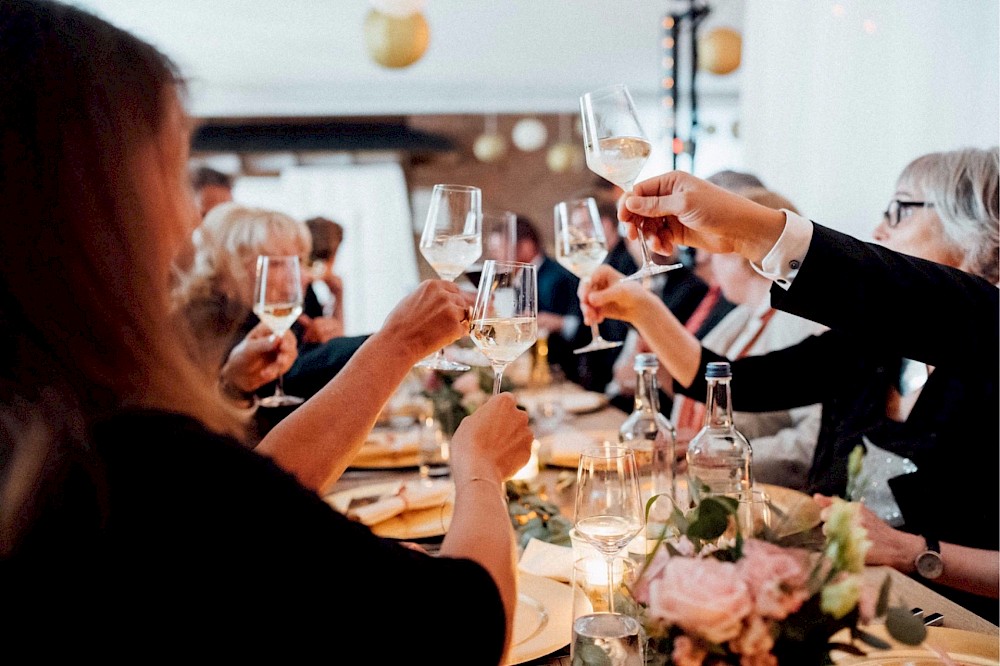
[963, 185]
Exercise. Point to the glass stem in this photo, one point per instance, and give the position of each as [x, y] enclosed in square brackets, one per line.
[642, 248]
[497, 377]
[595, 333]
[611, 584]
[279, 388]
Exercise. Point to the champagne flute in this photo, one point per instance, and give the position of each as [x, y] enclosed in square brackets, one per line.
[609, 513]
[580, 248]
[617, 149]
[451, 241]
[277, 302]
[505, 315]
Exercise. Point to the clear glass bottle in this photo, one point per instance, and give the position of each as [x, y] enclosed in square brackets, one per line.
[652, 437]
[719, 456]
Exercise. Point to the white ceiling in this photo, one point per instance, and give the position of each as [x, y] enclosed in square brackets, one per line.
[308, 57]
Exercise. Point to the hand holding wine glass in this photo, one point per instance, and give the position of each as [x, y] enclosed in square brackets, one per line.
[580, 248]
[277, 303]
[609, 513]
[451, 241]
[617, 148]
[505, 316]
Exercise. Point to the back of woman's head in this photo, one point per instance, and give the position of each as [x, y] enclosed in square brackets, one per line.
[89, 193]
[963, 187]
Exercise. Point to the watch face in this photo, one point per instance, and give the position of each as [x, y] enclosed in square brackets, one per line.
[929, 564]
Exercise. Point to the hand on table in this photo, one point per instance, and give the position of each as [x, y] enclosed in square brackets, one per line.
[890, 546]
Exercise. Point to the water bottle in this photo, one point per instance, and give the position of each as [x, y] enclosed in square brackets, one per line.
[652, 437]
[719, 457]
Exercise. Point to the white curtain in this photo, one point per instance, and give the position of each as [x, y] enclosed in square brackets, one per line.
[376, 260]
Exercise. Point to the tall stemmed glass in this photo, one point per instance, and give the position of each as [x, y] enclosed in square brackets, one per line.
[499, 241]
[452, 240]
[609, 512]
[277, 301]
[505, 316]
[617, 149]
[580, 248]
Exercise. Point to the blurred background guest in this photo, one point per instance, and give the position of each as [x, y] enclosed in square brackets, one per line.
[211, 188]
[324, 297]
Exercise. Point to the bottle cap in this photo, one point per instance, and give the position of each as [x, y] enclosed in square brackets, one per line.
[717, 370]
[646, 362]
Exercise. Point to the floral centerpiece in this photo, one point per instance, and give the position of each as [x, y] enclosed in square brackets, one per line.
[704, 599]
[456, 396]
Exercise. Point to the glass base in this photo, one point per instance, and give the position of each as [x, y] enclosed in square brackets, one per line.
[649, 270]
[280, 401]
[597, 345]
[437, 363]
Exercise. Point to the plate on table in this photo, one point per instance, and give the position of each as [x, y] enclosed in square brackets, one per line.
[407, 526]
[572, 402]
[965, 648]
[564, 447]
[801, 511]
[389, 449]
[543, 619]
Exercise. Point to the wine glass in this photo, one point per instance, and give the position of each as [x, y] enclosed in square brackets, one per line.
[277, 301]
[499, 241]
[451, 241]
[580, 248]
[505, 315]
[617, 149]
[608, 512]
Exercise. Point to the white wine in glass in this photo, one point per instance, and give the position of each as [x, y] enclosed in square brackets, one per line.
[277, 302]
[609, 513]
[581, 248]
[452, 240]
[617, 148]
[505, 316]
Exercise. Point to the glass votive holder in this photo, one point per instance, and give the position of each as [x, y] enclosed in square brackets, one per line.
[607, 639]
[590, 585]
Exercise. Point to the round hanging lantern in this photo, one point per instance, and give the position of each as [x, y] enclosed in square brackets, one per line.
[719, 50]
[396, 41]
[529, 134]
[564, 156]
[489, 147]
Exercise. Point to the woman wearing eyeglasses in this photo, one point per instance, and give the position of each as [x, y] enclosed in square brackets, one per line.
[931, 432]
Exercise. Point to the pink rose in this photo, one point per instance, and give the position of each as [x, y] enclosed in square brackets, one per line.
[705, 597]
[756, 638]
[688, 653]
[775, 576]
[652, 570]
[760, 659]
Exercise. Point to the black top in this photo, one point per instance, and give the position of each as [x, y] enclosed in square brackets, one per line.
[170, 537]
[882, 306]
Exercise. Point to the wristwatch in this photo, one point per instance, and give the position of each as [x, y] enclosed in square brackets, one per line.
[929, 563]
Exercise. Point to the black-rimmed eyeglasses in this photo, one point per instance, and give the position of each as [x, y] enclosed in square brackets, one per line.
[900, 210]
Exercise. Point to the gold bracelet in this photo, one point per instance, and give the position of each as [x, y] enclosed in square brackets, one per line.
[500, 487]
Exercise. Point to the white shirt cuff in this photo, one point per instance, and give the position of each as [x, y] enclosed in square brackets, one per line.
[782, 263]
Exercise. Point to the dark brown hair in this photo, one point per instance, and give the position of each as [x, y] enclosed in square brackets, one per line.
[84, 299]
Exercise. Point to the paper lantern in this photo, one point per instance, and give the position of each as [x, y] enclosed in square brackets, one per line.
[395, 41]
[489, 147]
[719, 50]
[529, 134]
[564, 156]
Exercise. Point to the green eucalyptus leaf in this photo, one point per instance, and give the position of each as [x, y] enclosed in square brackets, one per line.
[869, 639]
[883, 597]
[712, 519]
[904, 626]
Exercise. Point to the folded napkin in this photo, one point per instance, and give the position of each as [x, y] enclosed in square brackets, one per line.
[547, 560]
[387, 446]
[564, 446]
[410, 497]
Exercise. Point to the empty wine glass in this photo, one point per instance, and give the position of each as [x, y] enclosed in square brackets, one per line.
[451, 241]
[580, 248]
[608, 509]
[505, 315]
[277, 302]
[617, 149]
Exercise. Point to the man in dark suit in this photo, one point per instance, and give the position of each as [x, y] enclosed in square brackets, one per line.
[558, 305]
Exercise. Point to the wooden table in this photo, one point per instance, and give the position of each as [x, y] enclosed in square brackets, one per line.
[905, 589]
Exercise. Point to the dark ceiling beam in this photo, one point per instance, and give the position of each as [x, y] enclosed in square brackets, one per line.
[303, 136]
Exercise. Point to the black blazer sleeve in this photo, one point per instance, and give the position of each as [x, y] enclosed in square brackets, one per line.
[915, 308]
